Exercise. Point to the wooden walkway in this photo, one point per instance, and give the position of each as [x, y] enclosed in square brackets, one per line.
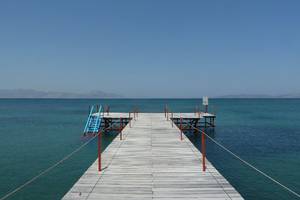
[151, 163]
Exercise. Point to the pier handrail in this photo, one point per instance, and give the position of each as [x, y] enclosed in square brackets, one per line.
[52, 166]
[247, 163]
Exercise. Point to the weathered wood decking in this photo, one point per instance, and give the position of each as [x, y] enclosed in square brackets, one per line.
[152, 163]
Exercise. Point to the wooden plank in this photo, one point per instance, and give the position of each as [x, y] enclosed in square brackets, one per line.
[152, 163]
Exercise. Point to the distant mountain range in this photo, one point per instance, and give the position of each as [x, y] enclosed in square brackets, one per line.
[29, 93]
[249, 96]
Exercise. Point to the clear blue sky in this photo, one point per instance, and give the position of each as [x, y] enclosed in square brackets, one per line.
[153, 48]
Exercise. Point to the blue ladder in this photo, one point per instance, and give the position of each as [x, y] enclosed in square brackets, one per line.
[93, 122]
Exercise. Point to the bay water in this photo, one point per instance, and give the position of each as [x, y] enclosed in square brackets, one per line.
[36, 133]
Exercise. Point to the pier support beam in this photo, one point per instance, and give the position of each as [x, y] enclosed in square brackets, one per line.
[195, 125]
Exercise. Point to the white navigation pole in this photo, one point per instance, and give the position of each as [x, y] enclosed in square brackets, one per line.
[205, 103]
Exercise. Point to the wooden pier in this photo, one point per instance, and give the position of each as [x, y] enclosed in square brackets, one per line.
[151, 162]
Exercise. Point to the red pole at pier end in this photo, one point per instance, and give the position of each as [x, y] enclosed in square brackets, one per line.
[203, 152]
[180, 128]
[99, 150]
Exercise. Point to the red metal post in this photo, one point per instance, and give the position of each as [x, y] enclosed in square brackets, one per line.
[121, 128]
[107, 110]
[134, 113]
[180, 128]
[203, 152]
[129, 120]
[99, 150]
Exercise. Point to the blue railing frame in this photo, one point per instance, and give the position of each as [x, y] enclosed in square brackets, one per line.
[93, 122]
[98, 120]
[88, 120]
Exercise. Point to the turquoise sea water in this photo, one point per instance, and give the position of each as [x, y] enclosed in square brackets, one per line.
[36, 133]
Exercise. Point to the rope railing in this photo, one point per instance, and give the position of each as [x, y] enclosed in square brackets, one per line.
[247, 163]
[51, 167]
[231, 153]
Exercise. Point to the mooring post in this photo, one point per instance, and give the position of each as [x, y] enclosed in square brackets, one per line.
[107, 110]
[203, 152]
[99, 150]
[172, 120]
[180, 128]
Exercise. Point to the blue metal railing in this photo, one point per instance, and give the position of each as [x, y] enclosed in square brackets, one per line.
[94, 121]
[88, 120]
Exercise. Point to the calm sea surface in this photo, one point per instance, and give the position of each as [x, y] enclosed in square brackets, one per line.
[36, 133]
